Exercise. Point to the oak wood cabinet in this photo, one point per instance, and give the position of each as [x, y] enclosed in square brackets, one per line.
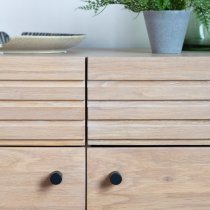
[64, 119]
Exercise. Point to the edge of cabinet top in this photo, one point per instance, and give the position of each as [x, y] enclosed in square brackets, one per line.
[131, 53]
[80, 52]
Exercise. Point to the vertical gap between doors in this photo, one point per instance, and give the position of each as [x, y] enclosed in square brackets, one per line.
[86, 129]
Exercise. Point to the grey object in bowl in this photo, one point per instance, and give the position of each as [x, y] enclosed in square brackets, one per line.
[4, 38]
[167, 30]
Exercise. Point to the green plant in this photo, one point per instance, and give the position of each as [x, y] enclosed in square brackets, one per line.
[200, 7]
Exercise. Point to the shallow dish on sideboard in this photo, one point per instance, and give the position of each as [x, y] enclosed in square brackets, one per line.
[39, 42]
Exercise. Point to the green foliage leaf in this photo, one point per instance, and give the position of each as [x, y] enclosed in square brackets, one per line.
[202, 10]
[200, 7]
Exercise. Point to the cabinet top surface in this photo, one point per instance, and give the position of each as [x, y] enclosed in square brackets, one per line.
[79, 52]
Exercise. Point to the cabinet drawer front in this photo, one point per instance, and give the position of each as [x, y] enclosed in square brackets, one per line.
[25, 178]
[42, 68]
[149, 68]
[152, 178]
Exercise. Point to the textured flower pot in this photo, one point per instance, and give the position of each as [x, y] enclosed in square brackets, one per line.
[167, 30]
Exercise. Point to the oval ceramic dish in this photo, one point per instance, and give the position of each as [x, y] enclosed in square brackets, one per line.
[39, 42]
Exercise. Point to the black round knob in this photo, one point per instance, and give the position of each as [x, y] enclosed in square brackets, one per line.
[56, 177]
[115, 178]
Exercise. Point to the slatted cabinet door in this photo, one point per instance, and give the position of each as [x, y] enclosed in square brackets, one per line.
[149, 100]
[42, 100]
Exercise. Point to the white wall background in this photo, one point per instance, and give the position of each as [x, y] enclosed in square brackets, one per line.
[114, 28]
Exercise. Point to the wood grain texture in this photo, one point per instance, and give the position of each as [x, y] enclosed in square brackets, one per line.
[143, 110]
[42, 68]
[136, 90]
[42, 130]
[149, 100]
[42, 100]
[42, 142]
[150, 130]
[149, 68]
[127, 53]
[146, 142]
[42, 110]
[24, 178]
[153, 178]
[45, 90]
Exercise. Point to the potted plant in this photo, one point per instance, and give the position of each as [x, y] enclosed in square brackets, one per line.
[166, 20]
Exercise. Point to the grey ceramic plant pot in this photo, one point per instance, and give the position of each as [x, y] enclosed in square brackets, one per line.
[167, 30]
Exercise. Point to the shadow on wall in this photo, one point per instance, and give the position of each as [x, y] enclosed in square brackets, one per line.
[114, 28]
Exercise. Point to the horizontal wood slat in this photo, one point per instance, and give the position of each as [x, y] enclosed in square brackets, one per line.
[149, 68]
[42, 68]
[143, 142]
[163, 130]
[44, 130]
[145, 68]
[148, 90]
[42, 90]
[25, 174]
[152, 178]
[143, 110]
[42, 142]
[38, 110]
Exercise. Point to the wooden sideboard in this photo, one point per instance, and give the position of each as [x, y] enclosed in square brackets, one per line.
[105, 130]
